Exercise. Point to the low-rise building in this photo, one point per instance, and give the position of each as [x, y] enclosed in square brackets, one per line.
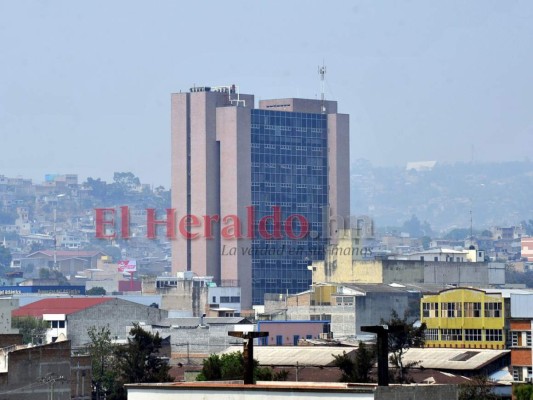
[464, 318]
[71, 318]
[521, 328]
[347, 306]
[289, 333]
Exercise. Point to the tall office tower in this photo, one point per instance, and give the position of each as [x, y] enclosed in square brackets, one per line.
[257, 191]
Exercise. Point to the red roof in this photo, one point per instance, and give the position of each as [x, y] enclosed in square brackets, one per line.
[58, 306]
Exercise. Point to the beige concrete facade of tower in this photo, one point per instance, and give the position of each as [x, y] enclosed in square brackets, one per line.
[211, 177]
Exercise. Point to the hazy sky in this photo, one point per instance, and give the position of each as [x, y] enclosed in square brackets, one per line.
[85, 85]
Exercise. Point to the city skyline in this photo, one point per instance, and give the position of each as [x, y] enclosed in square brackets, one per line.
[86, 91]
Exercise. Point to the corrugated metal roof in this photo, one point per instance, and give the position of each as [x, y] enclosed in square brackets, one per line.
[58, 306]
[292, 355]
[444, 358]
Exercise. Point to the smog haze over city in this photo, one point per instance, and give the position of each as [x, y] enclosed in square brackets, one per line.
[85, 86]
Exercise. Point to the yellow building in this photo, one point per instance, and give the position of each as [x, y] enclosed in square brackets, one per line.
[464, 318]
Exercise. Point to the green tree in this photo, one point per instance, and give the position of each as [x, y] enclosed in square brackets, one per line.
[403, 335]
[231, 367]
[523, 392]
[460, 234]
[415, 228]
[44, 273]
[33, 329]
[36, 247]
[357, 369]
[139, 361]
[101, 349]
[479, 388]
[126, 179]
[426, 241]
[528, 226]
[225, 367]
[97, 186]
[5, 257]
[96, 291]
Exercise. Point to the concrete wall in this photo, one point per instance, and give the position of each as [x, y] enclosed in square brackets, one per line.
[250, 392]
[433, 392]
[342, 318]
[7, 305]
[460, 274]
[28, 367]
[284, 390]
[186, 297]
[346, 270]
[404, 271]
[81, 377]
[186, 342]
[116, 313]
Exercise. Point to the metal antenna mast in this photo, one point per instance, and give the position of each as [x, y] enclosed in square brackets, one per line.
[322, 73]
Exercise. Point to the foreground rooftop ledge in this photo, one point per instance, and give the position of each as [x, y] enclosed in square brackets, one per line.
[273, 386]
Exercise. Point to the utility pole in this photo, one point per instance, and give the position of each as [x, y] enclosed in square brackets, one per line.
[248, 352]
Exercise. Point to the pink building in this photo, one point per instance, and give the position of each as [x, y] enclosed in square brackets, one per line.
[288, 333]
[527, 248]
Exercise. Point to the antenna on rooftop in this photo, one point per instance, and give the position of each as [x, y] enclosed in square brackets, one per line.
[322, 73]
[471, 230]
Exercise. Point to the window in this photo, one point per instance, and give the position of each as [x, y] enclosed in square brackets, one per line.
[514, 338]
[451, 335]
[235, 299]
[528, 339]
[430, 310]
[473, 335]
[224, 299]
[279, 340]
[54, 324]
[61, 324]
[493, 335]
[451, 310]
[517, 374]
[432, 334]
[309, 336]
[472, 310]
[493, 310]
